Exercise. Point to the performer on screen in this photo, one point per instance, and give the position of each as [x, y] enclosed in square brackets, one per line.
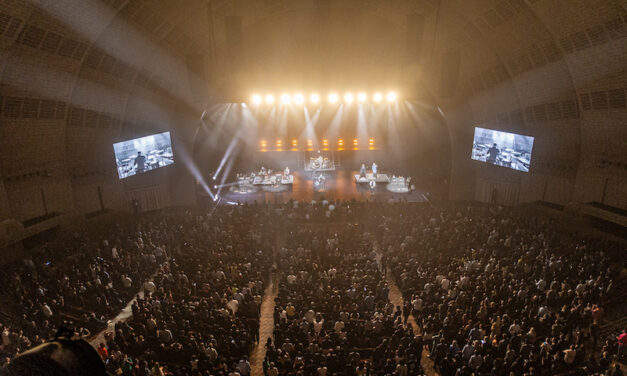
[140, 162]
[362, 171]
[375, 169]
[493, 153]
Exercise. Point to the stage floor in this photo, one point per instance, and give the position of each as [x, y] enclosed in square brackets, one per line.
[339, 185]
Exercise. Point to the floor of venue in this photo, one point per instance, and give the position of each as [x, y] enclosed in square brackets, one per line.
[339, 185]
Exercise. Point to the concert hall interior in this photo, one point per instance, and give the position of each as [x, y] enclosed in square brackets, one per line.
[313, 187]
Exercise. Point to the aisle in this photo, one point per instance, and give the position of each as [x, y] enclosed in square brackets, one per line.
[266, 327]
[266, 318]
[396, 297]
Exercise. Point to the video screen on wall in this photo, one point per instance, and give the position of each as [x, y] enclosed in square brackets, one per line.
[505, 149]
[143, 154]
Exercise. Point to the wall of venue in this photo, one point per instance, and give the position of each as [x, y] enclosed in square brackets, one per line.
[562, 82]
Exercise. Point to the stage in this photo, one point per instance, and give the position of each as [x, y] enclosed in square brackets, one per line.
[338, 185]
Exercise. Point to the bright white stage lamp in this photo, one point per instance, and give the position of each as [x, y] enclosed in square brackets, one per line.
[391, 97]
[269, 99]
[361, 97]
[314, 98]
[348, 97]
[377, 97]
[256, 99]
[299, 99]
[286, 99]
[333, 98]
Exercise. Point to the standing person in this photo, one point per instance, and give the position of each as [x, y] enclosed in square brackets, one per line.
[375, 169]
[362, 171]
[493, 153]
[140, 163]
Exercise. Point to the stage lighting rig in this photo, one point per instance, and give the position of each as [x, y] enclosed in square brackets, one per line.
[348, 98]
[269, 99]
[333, 98]
[299, 99]
[286, 99]
[314, 98]
[361, 97]
[256, 99]
[391, 97]
[377, 97]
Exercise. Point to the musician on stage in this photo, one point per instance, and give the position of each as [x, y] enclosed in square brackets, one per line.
[286, 172]
[362, 171]
[320, 181]
[375, 169]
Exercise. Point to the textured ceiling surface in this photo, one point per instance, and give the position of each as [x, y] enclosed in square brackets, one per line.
[77, 75]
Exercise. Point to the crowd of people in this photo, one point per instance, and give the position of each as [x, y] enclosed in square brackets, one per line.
[485, 290]
[499, 290]
[332, 314]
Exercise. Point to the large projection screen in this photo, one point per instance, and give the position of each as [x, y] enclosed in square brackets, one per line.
[505, 149]
[143, 154]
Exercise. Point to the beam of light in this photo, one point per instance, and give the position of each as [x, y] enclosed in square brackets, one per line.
[362, 123]
[377, 97]
[188, 162]
[227, 171]
[333, 98]
[226, 156]
[333, 130]
[309, 133]
[96, 22]
[225, 185]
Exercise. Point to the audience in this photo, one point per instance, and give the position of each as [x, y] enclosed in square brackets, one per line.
[485, 290]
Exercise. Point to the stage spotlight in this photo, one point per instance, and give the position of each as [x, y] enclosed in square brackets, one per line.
[263, 144]
[377, 97]
[215, 187]
[314, 98]
[340, 142]
[361, 97]
[371, 142]
[286, 99]
[299, 99]
[355, 142]
[294, 143]
[333, 98]
[279, 143]
[256, 99]
[348, 97]
[269, 99]
[391, 97]
[325, 142]
[215, 177]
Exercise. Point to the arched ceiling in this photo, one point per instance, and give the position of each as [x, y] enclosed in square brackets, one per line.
[78, 74]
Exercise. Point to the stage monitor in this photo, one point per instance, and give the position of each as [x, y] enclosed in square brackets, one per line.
[143, 154]
[505, 149]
